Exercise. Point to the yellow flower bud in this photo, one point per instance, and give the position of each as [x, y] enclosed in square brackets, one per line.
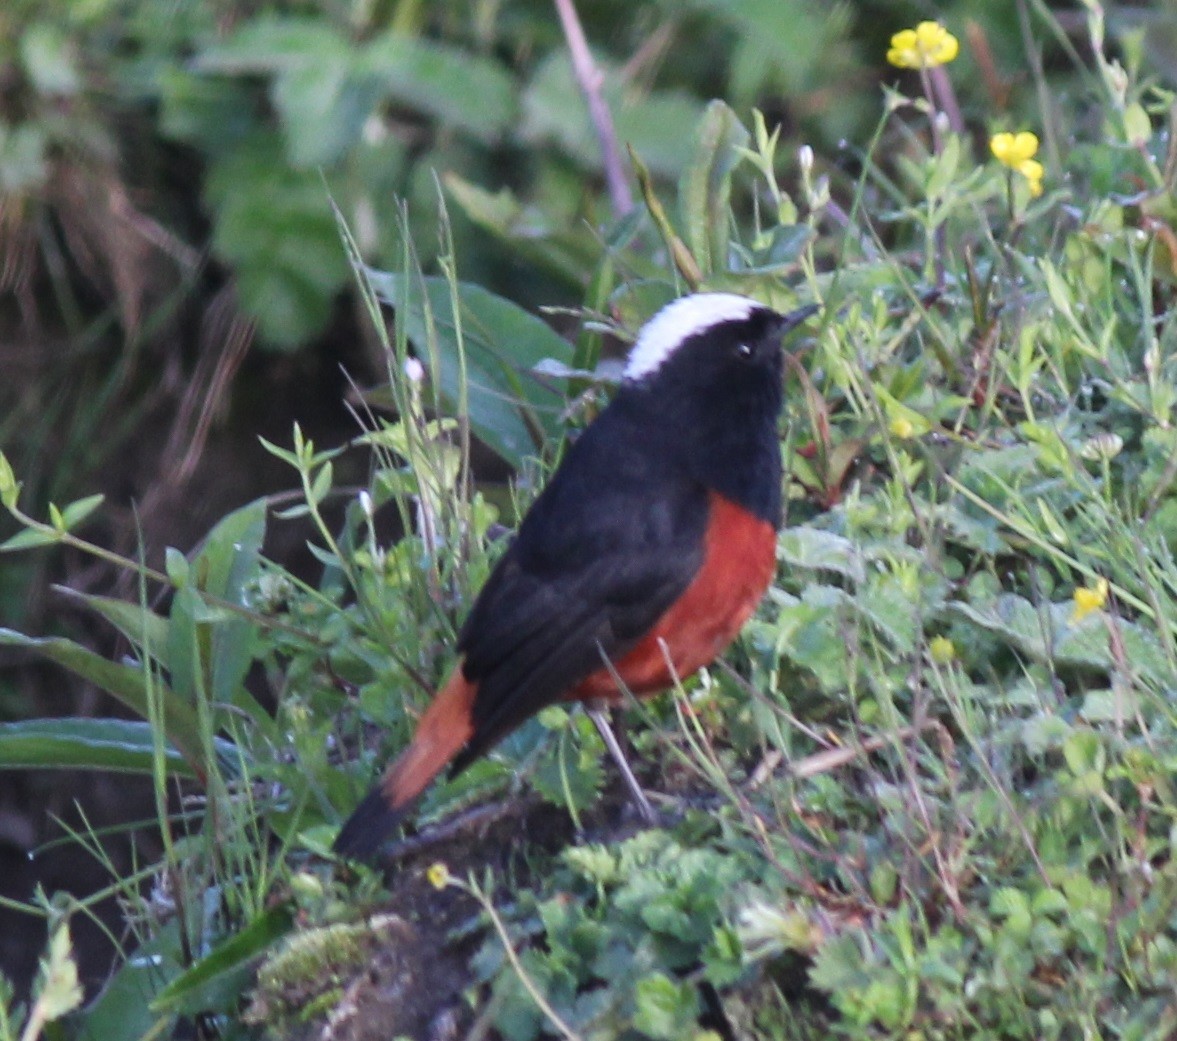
[941, 649]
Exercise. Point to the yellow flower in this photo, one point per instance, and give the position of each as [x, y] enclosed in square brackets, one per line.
[1014, 149]
[438, 874]
[942, 650]
[927, 45]
[1031, 169]
[1089, 599]
[1017, 151]
[902, 427]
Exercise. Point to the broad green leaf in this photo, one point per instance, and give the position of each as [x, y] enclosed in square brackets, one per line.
[50, 58]
[211, 112]
[323, 109]
[567, 248]
[821, 550]
[270, 43]
[209, 648]
[120, 745]
[655, 123]
[705, 188]
[216, 982]
[146, 630]
[273, 224]
[127, 683]
[509, 409]
[664, 1008]
[122, 1011]
[22, 168]
[451, 84]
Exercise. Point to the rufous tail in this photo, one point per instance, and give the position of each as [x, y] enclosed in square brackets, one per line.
[444, 728]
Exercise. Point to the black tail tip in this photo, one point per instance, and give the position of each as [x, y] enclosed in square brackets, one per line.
[367, 829]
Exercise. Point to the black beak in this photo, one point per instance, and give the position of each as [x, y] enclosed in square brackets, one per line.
[788, 322]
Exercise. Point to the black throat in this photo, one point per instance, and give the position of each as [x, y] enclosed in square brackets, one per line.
[715, 415]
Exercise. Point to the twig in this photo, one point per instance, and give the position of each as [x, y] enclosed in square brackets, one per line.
[590, 79]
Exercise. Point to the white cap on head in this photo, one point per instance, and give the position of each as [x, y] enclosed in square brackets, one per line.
[680, 320]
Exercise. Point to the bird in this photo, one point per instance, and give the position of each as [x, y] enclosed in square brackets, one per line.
[649, 548]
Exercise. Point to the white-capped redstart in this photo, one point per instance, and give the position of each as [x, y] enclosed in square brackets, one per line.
[650, 547]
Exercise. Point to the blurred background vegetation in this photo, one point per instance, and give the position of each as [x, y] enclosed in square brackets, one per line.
[172, 280]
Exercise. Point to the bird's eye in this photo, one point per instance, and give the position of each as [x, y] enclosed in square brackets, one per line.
[743, 350]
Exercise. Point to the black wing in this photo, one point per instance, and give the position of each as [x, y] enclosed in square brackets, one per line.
[612, 542]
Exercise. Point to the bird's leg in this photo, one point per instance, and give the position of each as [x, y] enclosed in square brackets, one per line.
[596, 712]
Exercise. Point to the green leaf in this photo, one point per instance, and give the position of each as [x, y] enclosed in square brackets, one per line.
[209, 648]
[176, 565]
[509, 409]
[128, 684]
[821, 550]
[216, 982]
[78, 511]
[30, 538]
[321, 484]
[58, 991]
[654, 123]
[664, 1009]
[22, 169]
[704, 191]
[49, 58]
[323, 109]
[274, 226]
[9, 485]
[566, 248]
[271, 44]
[119, 745]
[453, 85]
[123, 1009]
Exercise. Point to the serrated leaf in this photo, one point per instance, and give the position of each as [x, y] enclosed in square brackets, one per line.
[821, 550]
[452, 84]
[664, 1008]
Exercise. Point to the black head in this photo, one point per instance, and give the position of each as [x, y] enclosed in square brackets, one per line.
[707, 370]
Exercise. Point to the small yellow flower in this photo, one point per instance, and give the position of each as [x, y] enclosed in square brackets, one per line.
[1089, 599]
[927, 45]
[438, 874]
[1017, 151]
[1014, 149]
[902, 427]
[1031, 169]
[942, 650]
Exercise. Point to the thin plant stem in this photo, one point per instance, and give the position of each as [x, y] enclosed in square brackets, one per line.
[590, 79]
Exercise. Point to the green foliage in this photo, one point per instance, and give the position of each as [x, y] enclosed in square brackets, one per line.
[936, 787]
[56, 992]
